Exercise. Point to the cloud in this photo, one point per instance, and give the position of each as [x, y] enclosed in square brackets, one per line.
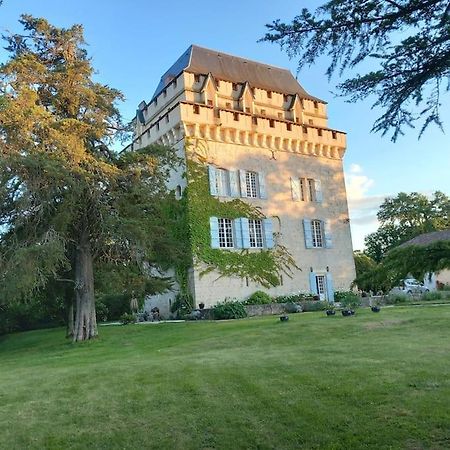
[363, 207]
[355, 168]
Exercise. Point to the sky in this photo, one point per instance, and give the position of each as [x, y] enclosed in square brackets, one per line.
[133, 43]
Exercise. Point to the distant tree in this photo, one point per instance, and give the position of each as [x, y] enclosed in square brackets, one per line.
[409, 40]
[68, 202]
[404, 217]
[418, 260]
[363, 263]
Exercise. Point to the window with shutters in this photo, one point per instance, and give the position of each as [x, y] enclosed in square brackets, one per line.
[317, 233]
[256, 233]
[223, 182]
[311, 190]
[302, 189]
[251, 184]
[225, 233]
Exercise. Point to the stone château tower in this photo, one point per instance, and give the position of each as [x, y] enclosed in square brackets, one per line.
[264, 141]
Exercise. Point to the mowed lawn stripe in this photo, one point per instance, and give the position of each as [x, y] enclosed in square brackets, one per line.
[369, 381]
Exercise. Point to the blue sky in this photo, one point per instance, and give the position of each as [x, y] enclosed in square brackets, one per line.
[133, 43]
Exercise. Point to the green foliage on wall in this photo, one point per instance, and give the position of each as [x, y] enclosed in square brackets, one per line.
[193, 230]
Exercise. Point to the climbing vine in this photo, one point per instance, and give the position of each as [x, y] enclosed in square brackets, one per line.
[197, 205]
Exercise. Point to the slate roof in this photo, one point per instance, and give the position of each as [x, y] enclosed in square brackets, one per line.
[429, 238]
[234, 69]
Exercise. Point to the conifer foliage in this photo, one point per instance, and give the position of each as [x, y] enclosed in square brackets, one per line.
[67, 200]
[408, 42]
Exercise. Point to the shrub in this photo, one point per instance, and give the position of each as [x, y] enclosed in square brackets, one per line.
[429, 296]
[40, 312]
[397, 299]
[295, 298]
[116, 305]
[313, 305]
[101, 311]
[182, 305]
[349, 300]
[127, 318]
[258, 298]
[229, 310]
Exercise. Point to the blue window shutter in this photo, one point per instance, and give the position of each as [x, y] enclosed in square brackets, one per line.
[214, 228]
[295, 188]
[268, 232]
[330, 288]
[318, 189]
[234, 183]
[312, 283]
[262, 185]
[327, 233]
[308, 233]
[245, 233]
[238, 243]
[243, 183]
[212, 180]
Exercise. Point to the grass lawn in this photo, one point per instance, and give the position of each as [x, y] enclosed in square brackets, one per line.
[370, 381]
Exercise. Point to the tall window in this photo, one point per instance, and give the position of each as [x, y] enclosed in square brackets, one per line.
[317, 233]
[255, 233]
[302, 189]
[251, 183]
[312, 190]
[225, 233]
[223, 182]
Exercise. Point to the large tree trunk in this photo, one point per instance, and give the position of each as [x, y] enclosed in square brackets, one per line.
[85, 320]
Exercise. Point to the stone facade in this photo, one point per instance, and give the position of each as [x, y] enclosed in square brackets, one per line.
[244, 116]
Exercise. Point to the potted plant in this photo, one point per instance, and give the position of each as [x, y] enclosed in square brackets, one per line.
[375, 307]
[201, 305]
[350, 301]
[331, 309]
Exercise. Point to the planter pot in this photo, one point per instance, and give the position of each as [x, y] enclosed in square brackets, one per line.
[330, 312]
[347, 312]
[284, 318]
[375, 309]
[201, 305]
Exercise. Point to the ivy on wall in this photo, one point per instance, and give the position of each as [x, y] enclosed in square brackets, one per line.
[192, 230]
